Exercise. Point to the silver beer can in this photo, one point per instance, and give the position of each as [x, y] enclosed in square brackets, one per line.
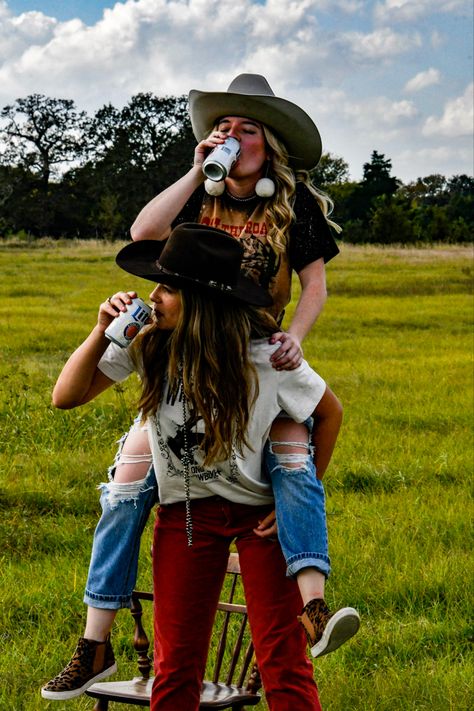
[220, 160]
[125, 327]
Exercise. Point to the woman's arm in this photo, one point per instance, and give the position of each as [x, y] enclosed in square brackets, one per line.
[154, 221]
[310, 304]
[80, 380]
[327, 423]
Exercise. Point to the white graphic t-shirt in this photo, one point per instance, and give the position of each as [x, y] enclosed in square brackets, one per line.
[239, 479]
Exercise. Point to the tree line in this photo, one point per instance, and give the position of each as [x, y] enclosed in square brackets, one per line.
[64, 173]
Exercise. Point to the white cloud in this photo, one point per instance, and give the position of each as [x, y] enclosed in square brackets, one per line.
[378, 118]
[410, 10]
[442, 159]
[380, 44]
[165, 47]
[379, 113]
[457, 119]
[34, 25]
[423, 79]
[272, 17]
[326, 55]
[18, 33]
[349, 7]
[437, 40]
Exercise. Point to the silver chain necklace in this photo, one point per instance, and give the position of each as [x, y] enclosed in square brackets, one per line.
[241, 199]
[187, 466]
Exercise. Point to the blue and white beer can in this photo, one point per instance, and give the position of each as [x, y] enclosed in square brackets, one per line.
[129, 323]
[221, 159]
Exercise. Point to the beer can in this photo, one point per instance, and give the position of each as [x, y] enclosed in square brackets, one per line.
[221, 159]
[125, 327]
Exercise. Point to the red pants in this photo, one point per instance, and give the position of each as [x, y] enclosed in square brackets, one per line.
[187, 584]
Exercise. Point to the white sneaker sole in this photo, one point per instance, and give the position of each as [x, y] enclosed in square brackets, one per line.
[342, 626]
[65, 695]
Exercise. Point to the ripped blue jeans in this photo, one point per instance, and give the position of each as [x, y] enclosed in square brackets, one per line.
[114, 559]
[300, 506]
[300, 511]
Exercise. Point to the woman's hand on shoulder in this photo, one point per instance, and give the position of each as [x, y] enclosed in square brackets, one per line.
[113, 307]
[289, 355]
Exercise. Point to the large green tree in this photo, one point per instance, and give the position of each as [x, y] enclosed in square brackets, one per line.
[376, 181]
[42, 135]
[39, 138]
[134, 153]
[331, 170]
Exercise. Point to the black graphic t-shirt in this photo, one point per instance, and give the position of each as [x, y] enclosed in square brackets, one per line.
[310, 237]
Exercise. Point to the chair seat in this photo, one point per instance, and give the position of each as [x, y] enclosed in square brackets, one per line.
[137, 691]
[133, 691]
[220, 696]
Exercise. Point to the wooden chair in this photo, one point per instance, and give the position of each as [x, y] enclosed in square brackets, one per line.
[232, 685]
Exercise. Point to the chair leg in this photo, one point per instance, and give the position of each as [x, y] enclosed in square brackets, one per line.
[101, 705]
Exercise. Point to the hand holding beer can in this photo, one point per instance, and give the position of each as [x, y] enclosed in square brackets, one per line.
[220, 160]
[129, 323]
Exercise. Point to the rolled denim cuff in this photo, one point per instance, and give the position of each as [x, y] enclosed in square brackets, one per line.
[296, 563]
[106, 602]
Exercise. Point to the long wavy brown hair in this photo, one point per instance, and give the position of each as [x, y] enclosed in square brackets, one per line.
[207, 354]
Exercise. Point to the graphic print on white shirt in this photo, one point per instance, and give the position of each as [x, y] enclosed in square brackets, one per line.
[173, 447]
[240, 479]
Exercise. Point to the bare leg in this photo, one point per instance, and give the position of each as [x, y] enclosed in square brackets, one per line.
[99, 623]
[135, 457]
[311, 584]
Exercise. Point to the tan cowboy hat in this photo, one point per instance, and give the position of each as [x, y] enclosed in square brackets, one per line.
[251, 96]
[194, 256]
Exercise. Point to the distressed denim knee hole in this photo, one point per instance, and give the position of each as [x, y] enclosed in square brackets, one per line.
[114, 494]
[290, 461]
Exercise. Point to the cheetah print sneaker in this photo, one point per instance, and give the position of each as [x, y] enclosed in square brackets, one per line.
[327, 630]
[90, 662]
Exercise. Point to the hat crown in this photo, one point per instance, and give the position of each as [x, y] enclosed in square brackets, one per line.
[207, 256]
[250, 84]
[194, 256]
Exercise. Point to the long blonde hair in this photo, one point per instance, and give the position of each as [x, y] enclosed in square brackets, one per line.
[279, 213]
[207, 355]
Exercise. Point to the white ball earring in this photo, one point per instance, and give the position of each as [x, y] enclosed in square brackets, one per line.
[265, 187]
[213, 187]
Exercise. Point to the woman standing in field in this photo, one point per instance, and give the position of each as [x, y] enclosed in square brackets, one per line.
[212, 488]
[269, 205]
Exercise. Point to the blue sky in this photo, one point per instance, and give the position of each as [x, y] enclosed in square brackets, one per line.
[89, 11]
[388, 75]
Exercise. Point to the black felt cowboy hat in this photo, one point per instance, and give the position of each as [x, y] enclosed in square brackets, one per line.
[194, 255]
[250, 96]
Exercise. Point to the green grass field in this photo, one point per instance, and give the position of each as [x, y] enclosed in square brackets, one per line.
[394, 342]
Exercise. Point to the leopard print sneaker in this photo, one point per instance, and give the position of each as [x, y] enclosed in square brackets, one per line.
[90, 662]
[327, 630]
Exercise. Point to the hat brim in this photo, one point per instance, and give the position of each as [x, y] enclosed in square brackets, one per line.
[288, 121]
[140, 259]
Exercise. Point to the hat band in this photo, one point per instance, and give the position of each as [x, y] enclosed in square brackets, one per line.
[214, 284]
